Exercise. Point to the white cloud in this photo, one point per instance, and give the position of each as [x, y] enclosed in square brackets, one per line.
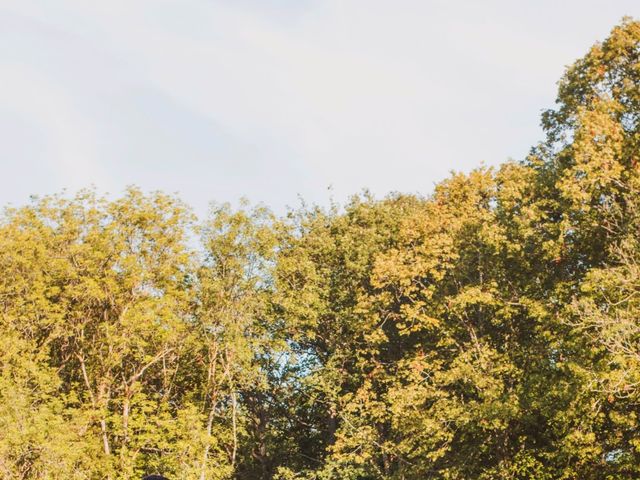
[68, 138]
[289, 97]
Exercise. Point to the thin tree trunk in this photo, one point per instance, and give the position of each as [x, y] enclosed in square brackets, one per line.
[211, 379]
[126, 405]
[94, 403]
[234, 406]
[205, 455]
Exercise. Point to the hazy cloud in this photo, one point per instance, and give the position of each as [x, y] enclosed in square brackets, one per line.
[272, 98]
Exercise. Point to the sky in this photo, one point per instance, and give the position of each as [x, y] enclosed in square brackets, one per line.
[277, 99]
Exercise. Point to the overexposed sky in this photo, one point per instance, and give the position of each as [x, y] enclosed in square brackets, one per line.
[271, 99]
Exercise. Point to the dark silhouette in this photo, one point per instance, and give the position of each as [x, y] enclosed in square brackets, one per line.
[154, 477]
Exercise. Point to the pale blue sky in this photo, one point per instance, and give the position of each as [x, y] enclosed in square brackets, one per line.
[273, 98]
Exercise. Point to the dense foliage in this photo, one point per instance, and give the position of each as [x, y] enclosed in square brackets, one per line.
[488, 331]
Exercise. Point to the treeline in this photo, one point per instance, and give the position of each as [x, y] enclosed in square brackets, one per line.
[488, 331]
